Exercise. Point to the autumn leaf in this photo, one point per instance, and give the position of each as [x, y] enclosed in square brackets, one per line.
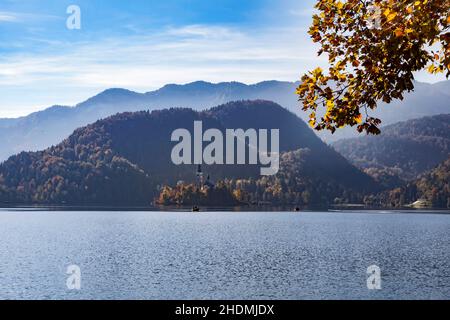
[330, 104]
[391, 16]
[399, 32]
[367, 66]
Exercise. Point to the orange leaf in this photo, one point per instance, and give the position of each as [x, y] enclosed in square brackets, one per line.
[399, 32]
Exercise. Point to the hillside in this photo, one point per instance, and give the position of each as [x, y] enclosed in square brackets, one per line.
[431, 189]
[406, 149]
[45, 128]
[434, 186]
[42, 129]
[125, 159]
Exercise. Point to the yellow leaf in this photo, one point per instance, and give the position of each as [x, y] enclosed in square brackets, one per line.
[358, 118]
[391, 16]
[339, 5]
[330, 104]
[316, 73]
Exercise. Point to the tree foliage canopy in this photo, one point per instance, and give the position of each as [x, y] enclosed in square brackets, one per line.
[373, 48]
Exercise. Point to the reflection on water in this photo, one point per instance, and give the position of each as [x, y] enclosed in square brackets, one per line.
[219, 255]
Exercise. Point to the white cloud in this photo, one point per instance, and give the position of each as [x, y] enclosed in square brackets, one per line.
[202, 31]
[23, 17]
[8, 17]
[142, 63]
[70, 72]
[303, 13]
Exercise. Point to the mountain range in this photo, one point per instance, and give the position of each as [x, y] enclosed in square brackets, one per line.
[125, 159]
[406, 149]
[45, 128]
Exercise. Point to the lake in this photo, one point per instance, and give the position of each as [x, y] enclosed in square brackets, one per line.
[224, 255]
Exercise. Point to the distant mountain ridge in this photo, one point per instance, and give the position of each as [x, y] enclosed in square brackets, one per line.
[124, 159]
[42, 129]
[408, 148]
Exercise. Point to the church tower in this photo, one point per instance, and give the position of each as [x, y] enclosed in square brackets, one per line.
[199, 175]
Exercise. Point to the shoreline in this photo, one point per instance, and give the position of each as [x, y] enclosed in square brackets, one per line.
[209, 209]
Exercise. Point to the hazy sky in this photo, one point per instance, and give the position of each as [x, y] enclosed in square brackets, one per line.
[144, 44]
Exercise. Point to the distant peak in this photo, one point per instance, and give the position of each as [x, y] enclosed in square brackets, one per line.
[112, 91]
[108, 94]
[201, 85]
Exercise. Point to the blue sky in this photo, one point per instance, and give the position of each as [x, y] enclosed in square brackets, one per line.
[143, 44]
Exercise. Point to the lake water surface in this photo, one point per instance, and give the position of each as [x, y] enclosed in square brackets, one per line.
[224, 255]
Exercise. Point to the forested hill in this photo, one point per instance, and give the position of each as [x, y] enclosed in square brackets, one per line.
[42, 129]
[434, 186]
[406, 149]
[431, 189]
[124, 159]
